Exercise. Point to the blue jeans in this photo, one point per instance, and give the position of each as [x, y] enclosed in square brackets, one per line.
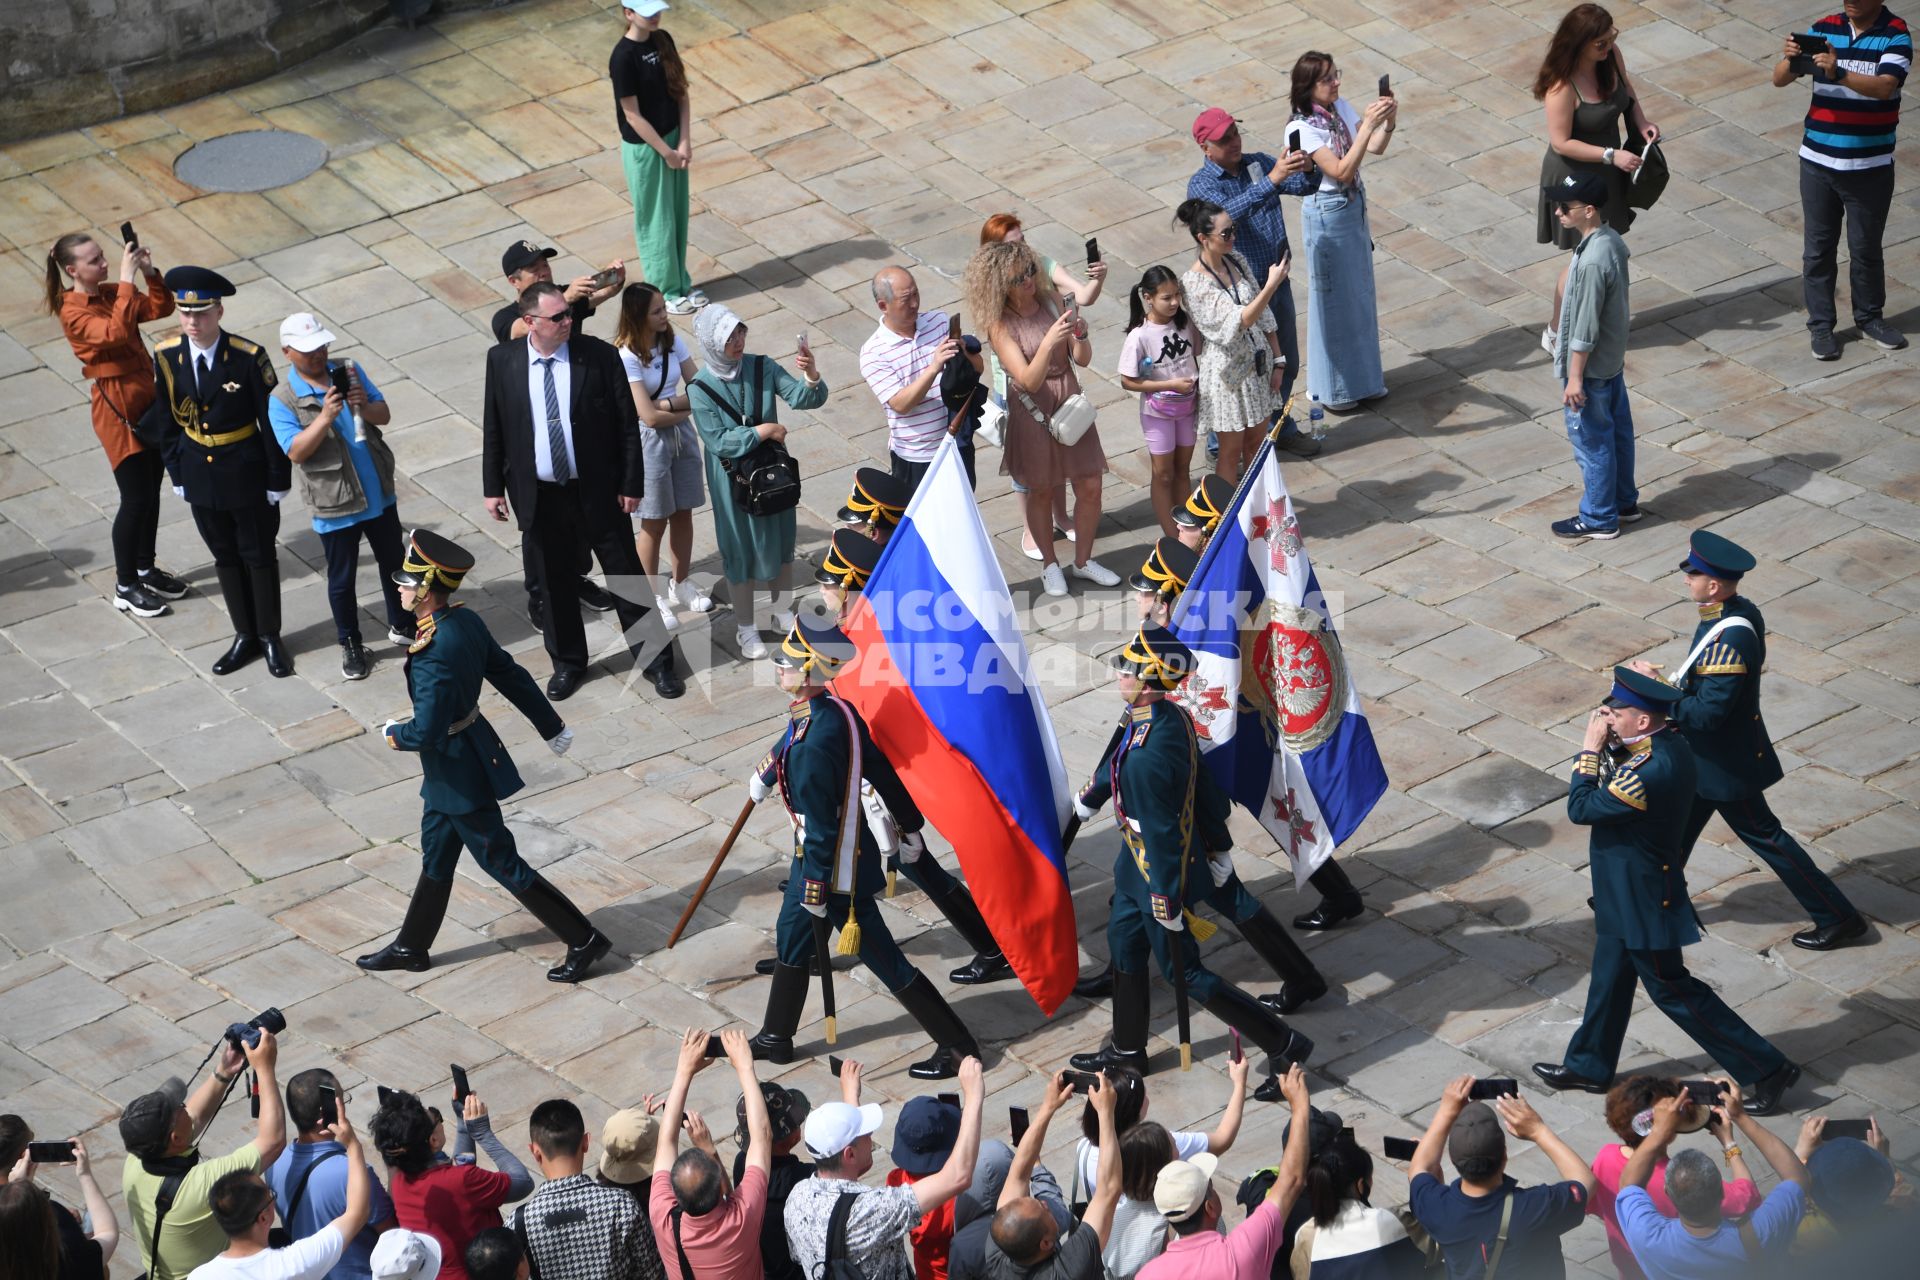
[1602, 435]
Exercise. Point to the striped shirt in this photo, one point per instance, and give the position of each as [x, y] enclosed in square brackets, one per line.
[889, 362]
[1846, 129]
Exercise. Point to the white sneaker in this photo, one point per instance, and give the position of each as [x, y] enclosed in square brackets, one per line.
[693, 595]
[665, 605]
[697, 297]
[682, 306]
[783, 621]
[1096, 573]
[1070, 536]
[751, 645]
[1550, 341]
[400, 637]
[1054, 582]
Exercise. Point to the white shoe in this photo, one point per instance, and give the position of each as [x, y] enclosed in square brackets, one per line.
[751, 645]
[1096, 573]
[1031, 553]
[665, 605]
[1550, 341]
[1054, 582]
[697, 297]
[400, 638]
[682, 306]
[783, 621]
[1070, 536]
[693, 595]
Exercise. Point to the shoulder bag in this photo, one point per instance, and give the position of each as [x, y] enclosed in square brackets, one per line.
[1067, 423]
[281, 1236]
[766, 479]
[162, 1201]
[836, 1265]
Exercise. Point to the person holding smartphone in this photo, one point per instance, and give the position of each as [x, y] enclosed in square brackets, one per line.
[902, 363]
[310, 1179]
[23, 1204]
[1242, 367]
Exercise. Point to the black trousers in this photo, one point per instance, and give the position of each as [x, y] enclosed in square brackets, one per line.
[581, 566]
[137, 523]
[560, 524]
[1862, 197]
[1754, 822]
[242, 536]
[1695, 1008]
[343, 566]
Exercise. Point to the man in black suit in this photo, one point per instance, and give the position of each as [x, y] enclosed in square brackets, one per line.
[560, 448]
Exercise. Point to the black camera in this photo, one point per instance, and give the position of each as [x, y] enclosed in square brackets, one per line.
[247, 1034]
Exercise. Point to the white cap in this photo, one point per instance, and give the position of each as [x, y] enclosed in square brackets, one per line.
[645, 8]
[304, 333]
[1181, 1187]
[400, 1254]
[833, 1126]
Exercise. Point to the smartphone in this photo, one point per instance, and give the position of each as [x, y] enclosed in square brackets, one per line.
[1093, 250]
[1493, 1087]
[1079, 1081]
[1237, 1054]
[127, 237]
[1398, 1148]
[1071, 311]
[62, 1152]
[953, 326]
[1293, 137]
[460, 1087]
[951, 1099]
[800, 344]
[329, 1105]
[1702, 1093]
[834, 1064]
[341, 382]
[1017, 1123]
[601, 279]
[714, 1048]
[1834, 1129]
[1386, 90]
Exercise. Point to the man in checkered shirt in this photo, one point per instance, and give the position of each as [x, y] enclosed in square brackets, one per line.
[576, 1229]
[840, 1139]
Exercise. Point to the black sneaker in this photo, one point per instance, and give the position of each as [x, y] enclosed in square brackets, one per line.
[1579, 528]
[353, 659]
[1631, 515]
[1825, 345]
[595, 596]
[1883, 335]
[140, 602]
[163, 584]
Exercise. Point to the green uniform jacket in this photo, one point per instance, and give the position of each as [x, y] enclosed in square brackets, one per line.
[468, 770]
[1720, 712]
[1170, 809]
[1639, 819]
[810, 764]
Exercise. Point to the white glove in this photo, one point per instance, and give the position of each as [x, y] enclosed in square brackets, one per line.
[386, 732]
[1081, 811]
[560, 741]
[912, 845]
[817, 911]
[1220, 867]
[886, 833]
[179, 491]
[274, 496]
[1176, 924]
[758, 788]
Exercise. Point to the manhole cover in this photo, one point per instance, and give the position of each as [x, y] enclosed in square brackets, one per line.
[257, 160]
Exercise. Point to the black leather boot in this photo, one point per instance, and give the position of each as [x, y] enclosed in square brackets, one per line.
[1339, 899]
[1128, 1047]
[235, 591]
[585, 944]
[1282, 1044]
[988, 963]
[425, 910]
[766, 967]
[1095, 986]
[786, 1000]
[664, 672]
[924, 1003]
[1299, 980]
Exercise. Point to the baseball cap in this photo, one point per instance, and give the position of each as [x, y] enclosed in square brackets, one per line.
[1212, 124]
[645, 8]
[303, 332]
[1477, 1136]
[787, 1110]
[833, 1126]
[626, 1146]
[523, 254]
[1322, 1128]
[1850, 1178]
[1582, 188]
[401, 1254]
[1181, 1187]
[924, 1135]
[147, 1123]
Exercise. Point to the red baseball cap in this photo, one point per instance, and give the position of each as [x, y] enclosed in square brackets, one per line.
[1212, 124]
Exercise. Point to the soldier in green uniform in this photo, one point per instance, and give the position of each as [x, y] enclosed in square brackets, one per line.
[877, 504]
[1170, 813]
[1161, 577]
[211, 418]
[1719, 714]
[818, 766]
[1196, 519]
[466, 771]
[1634, 784]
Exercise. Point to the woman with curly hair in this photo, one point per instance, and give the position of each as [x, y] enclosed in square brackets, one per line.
[450, 1202]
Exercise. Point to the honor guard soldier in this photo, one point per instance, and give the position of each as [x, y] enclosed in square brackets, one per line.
[844, 570]
[466, 771]
[220, 449]
[818, 766]
[1195, 520]
[1161, 577]
[1719, 714]
[877, 504]
[1633, 784]
[1170, 812]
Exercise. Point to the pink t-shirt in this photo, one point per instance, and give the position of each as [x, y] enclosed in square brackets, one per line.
[1244, 1253]
[1156, 352]
[723, 1244]
[1740, 1197]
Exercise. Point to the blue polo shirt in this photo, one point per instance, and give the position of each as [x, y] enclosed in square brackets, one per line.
[286, 426]
[325, 1198]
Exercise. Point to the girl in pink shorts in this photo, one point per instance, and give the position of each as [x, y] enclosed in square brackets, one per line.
[1159, 362]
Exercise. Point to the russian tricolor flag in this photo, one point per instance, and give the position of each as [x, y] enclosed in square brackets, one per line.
[944, 682]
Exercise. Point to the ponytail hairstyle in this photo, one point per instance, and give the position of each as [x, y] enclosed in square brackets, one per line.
[1306, 74]
[61, 256]
[1197, 217]
[1150, 284]
[1334, 1178]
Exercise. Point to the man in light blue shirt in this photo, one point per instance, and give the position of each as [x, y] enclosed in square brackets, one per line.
[321, 1163]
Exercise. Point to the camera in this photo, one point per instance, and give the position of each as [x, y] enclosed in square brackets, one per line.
[247, 1034]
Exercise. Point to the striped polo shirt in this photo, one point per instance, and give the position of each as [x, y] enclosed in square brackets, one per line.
[889, 363]
[1845, 129]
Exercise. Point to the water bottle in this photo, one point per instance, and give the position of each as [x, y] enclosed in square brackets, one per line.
[1316, 420]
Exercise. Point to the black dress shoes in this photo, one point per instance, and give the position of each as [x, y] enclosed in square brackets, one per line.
[1328, 915]
[666, 681]
[1292, 995]
[1097, 987]
[1108, 1056]
[243, 650]
[279, 661]
[1762, 1097]
[564, 681]
[581, 958]
[395, 956]
[1827, 937]
[981, 969]
[595, 596]
[1558, 1076]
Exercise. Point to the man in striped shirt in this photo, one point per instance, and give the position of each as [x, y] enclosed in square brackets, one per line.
[1846, 161]
[902, 363]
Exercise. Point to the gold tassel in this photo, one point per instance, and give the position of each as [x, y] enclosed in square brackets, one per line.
[892, 878]
[832, 1031]
[850, 933]
[1201, 929]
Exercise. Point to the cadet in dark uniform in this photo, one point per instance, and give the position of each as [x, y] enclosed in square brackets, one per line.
[1161, 577]
[466, 771]
[1195, 520]
[1636, 797]
[877, 504]
[1719, 714]
[818, 766]
[220, 449]
[1170, 812]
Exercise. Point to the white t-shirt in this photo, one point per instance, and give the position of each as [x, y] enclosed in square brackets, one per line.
[1315, 134]
[1086, 1159]
[647, 372]
[307, 1259]
[1156, 352]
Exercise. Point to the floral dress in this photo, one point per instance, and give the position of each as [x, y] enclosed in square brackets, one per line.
[1235, 394]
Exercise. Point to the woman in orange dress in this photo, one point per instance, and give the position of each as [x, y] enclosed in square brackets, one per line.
[102, 323]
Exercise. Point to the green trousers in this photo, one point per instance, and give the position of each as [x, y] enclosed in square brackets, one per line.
[660, 212]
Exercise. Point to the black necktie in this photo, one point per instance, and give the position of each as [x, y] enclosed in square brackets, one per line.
[202, 379]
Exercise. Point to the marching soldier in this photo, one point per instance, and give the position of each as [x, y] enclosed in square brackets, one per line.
[1719, 714]
[818, 766]
[1170, 812]
[1197, 518]
[1161, 577]
[222, 454]
[1636, 797]
[877, 504]
[466, 771]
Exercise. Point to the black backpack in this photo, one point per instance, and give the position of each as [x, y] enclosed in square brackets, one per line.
[766, 479]
[837, 1265]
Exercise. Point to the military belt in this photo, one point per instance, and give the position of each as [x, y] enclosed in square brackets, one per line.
[206, 441]
[464, 722]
